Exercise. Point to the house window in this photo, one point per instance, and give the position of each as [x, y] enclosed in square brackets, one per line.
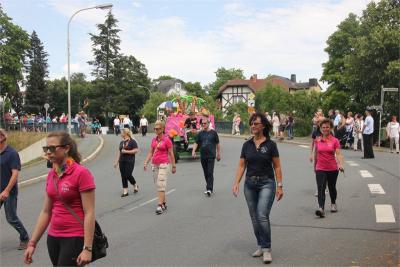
[237, 99]
[178, 86]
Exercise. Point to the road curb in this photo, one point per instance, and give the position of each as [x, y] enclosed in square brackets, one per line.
[42, 177]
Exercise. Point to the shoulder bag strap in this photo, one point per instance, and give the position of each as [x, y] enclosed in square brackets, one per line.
[73, 213]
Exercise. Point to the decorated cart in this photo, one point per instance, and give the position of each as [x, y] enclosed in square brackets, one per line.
[175, 114]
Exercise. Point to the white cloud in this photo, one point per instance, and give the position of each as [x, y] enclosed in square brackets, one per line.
[270, 40]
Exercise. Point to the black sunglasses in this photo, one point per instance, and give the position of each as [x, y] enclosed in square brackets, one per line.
[52, 149]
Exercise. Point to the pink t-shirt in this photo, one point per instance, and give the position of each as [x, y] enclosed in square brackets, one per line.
[160, 155]
[326, 159]
[73, 181]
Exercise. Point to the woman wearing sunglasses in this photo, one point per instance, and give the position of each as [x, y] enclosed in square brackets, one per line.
[162, 155]
[260, 159]
[126, 160]
[68, 183]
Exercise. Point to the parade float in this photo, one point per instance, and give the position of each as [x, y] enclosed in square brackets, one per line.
[175, 113]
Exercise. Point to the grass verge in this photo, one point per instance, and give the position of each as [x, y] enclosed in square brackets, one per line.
[21, 140]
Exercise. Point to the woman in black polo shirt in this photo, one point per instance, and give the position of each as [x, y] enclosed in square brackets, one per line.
[263, 181]
[126, 160]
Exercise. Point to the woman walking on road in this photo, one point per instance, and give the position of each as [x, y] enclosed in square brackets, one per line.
[328, 161]
[260, 159]
[126, 160]
[393, 130]
[161, 155]
[69, 243]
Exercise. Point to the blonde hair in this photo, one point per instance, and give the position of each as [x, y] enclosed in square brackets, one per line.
[160, 123]
[128, 132]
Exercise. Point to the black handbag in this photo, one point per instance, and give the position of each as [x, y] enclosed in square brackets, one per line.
[100, 242]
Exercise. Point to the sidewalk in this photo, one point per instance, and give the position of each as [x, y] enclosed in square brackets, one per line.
[305, 141]
[88, 147]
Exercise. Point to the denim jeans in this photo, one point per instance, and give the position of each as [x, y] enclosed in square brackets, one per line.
[290, 131]
[260, 195]
[10, 208]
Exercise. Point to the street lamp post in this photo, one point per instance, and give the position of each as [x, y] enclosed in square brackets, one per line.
[105, 6]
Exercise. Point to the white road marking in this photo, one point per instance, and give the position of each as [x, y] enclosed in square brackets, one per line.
[352, 163]
[384, 214]
[376, 189]
[366, 174]
[149, 201]
[304, 146]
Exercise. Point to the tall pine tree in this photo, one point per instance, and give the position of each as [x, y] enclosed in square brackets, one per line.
[36, 89]
[105, 48]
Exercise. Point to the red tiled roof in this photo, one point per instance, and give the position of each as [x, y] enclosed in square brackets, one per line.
[253, 84]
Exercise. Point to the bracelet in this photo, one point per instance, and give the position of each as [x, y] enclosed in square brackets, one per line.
[32, 243]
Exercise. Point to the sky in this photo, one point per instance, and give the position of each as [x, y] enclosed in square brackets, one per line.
[191, 39]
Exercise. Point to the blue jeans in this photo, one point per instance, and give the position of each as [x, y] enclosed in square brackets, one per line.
[260, 195]
[10, 208]
[290, 131]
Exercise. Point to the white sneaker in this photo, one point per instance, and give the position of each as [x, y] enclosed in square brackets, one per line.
[159, 210]
[257, 253]
[333, 208]
[267, 257]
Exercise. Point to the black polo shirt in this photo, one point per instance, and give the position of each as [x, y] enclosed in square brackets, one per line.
[130, 144]
[259, 161]
[207, 141]
[9, 160]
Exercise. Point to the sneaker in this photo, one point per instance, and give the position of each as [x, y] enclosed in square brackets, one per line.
[316, 193]
[333, 208]
[207, 193]
[257, 253]
[267, 257]
[125, 195]
[320, 212]
[159, 209]
[164, 206]
[135, 188]
[22, 245]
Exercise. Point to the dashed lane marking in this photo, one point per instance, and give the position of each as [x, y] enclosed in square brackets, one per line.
[366, 174]
[149, 201]
[376, 189]
[352, 163]
[304, 146]
[384, 214]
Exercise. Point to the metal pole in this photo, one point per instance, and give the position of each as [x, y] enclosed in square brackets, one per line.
[105, 6]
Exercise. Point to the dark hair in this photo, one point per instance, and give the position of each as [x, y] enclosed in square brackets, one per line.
[66, 140]
[264, 122]
[325, 121]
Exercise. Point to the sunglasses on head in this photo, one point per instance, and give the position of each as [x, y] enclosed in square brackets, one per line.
[52, 149]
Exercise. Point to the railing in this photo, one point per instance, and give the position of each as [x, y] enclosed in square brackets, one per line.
[38, 127]
[226, 127]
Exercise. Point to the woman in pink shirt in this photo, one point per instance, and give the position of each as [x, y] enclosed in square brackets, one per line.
[69, 243]
[328, 162]
[161, 154]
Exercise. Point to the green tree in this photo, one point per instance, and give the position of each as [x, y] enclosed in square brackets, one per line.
[150, 108]
[36, 89]
[195, 89]
[14, 42]
[374, 55]
[105, 47]
[273, 98]
[222, 76]
[241, 109]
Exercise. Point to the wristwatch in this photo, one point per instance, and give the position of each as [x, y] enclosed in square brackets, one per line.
[280, 184]
[87, 248]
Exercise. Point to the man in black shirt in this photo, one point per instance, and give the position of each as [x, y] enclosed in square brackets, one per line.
[208, 141]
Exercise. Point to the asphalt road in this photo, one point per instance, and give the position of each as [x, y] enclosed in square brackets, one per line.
[200, 231]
